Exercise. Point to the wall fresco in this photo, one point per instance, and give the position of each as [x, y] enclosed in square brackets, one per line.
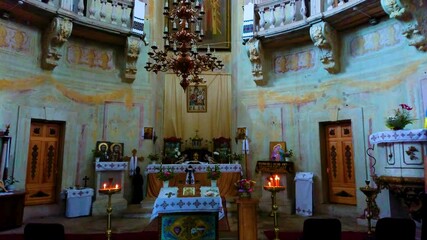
[90, 57]
[14, 40]
[294, 62]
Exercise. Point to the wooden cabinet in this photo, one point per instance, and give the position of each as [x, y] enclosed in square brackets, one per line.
[247, 211]
[11, 209]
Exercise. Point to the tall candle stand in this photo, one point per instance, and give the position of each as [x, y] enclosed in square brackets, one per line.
[274, 207]
[371, 194]
[109, 191]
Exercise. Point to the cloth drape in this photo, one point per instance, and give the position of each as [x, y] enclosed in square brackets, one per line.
[214, 123]
[304, 193]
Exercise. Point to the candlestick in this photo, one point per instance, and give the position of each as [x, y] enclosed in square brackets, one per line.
[371, 194]
[109, 191]
[274, 207]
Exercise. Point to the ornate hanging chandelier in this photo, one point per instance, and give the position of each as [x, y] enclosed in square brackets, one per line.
[180, 54]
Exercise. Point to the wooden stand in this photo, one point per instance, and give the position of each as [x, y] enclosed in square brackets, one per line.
[247, 213]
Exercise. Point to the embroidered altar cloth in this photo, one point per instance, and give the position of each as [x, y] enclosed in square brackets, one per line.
[111, 166]
[174, 204]
[413, 135]
[199, 168]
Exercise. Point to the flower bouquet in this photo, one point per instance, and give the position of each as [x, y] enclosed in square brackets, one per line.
[213, 174]
[400, 119]
[245, 187]
[165, 174]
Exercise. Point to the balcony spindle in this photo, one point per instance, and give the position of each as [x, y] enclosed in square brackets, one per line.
[102, 13]
[114, 12]
[293, 10]
[92, 9]
[282, 14]
[272, 16]
[303, 10]
[80, 7]
[125, 16]
[261, 19]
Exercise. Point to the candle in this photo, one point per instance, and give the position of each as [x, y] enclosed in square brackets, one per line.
[276, 178]
[105, 185]
[117, 186]
[269, 184]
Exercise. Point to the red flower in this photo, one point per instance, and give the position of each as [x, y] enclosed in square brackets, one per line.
[405, 106]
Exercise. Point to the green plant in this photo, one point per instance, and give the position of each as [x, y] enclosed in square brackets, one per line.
[401, 118]
[236, 156]
[10, 180]
[96, 153]
[165, 174]
[153, 156]
[287, 154]
[214, 173]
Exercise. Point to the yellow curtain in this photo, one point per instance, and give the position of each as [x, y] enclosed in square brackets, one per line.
[215, 122]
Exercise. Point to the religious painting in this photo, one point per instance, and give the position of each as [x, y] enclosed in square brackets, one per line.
[103, 150]
[116, 152]
[216, 24]
[276, 148]
[241, 133]
[148, 133]
[189, 225]
[188, 191]
[197, 99]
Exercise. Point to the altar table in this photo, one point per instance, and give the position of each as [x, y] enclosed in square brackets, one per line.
[230, 173]
[79, 202]
[169, 202]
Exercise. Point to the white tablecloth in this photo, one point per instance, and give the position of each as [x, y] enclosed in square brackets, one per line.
[168, 202]
[199, 168]
[304, 193]
[79, 202]
[413, 135]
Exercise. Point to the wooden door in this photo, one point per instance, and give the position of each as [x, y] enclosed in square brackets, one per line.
[42, 163]
[340, 163]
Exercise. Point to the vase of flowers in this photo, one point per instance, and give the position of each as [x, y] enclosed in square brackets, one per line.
[236, 157]
[165, 175]
[245, 187]
[286, 155]
[213, 174]
[154, 157]
[401, 118]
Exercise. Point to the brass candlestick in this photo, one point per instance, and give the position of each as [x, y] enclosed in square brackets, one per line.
[274, 207]
[371, 194]
[109, 192]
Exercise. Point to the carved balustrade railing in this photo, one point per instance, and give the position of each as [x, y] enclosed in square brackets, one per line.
[272, 17]
[110, 14]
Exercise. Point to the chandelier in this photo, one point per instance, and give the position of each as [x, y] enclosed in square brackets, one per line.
[180, 54]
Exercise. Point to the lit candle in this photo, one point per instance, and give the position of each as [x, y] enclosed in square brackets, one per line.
[269, 184]
[276, 178]
[117, 186]
[105, 185]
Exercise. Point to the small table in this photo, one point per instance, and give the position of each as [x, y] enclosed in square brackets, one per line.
[79, 202]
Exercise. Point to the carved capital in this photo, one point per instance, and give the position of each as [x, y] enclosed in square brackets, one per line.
[132, 50]
[54, 38]
[413, 16]
[256, 56]
[325, 38]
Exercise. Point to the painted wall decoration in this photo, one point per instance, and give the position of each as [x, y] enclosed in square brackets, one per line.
[375, 41]
[91, 57]
[14, 40]
[294, 62]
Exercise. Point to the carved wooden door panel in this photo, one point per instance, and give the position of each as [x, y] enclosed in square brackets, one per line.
[340, 164]
[42, 164]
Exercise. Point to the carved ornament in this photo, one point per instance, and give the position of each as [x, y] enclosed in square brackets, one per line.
[325, 38]
[256, 56]
[53, 40]
[132, 50]
[413, 19]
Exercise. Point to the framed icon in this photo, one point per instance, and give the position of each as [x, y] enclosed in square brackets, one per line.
[197, 97]
[148, 133]
[276, 148]
[241, 133]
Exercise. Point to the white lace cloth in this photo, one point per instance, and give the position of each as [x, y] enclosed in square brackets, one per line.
[79, 202]
[199, 168]
[111, 166]
[304, 193]
[413, 135]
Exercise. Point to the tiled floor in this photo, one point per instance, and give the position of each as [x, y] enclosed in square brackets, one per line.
[137, 218]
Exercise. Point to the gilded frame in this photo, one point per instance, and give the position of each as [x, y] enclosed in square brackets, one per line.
[218, 38]
[148, 133]
[197, 97]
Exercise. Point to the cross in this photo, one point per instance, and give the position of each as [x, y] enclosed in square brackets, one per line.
[85, 179]
[170, 194]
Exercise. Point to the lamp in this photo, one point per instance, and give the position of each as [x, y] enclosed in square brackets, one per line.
[180, 53]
